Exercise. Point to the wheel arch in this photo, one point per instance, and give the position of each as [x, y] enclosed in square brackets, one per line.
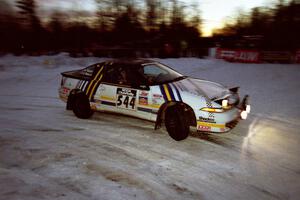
[189, 113]
[71, 98]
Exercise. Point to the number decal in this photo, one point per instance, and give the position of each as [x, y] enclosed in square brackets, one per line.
[132, 103]
[119, 100]
[125, 102]
[126, 98]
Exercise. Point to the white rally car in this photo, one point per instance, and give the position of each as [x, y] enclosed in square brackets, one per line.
[152, 91]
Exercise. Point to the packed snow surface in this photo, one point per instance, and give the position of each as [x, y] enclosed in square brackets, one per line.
[48, 153]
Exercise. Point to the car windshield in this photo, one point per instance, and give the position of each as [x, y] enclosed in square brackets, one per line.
[157, 73]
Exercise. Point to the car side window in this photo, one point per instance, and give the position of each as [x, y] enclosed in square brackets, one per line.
[154, 73]
[153, 70]
[123, 78]
[117, 75]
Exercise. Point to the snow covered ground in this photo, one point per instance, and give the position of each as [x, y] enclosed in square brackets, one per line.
[48, 153]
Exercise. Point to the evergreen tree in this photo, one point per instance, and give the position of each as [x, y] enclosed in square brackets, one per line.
[28, 11]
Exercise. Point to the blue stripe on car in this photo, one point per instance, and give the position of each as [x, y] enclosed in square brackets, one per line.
[177, 92]
[163, 92]
[171, 92]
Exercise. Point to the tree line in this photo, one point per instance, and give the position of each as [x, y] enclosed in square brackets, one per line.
[155, 26]
[266, 28]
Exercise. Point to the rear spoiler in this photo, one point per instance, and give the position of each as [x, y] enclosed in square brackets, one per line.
[75, 74]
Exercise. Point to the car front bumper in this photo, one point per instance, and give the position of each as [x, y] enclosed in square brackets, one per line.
[224, 122]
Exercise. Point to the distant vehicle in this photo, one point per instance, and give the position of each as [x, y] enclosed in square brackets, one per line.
[149, 90]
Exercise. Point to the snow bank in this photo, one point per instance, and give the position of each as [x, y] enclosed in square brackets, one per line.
[48, 153]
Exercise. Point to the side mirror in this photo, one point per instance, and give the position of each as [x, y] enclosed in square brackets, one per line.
[141, 86]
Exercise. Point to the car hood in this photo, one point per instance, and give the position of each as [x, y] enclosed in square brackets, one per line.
[211, 90]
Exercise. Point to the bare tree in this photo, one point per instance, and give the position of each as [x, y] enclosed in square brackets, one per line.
[151, 16]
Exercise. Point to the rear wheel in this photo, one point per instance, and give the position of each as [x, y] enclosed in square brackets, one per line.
[81, 106]
[176, 123]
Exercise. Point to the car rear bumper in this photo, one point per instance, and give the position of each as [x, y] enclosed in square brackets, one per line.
[63, 93]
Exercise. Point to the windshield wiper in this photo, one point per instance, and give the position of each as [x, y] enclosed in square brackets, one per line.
[173, 80]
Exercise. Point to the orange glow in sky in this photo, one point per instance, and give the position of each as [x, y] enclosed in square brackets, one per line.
[213, 12]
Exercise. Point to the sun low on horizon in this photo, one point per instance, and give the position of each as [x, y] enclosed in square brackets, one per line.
[215, 13]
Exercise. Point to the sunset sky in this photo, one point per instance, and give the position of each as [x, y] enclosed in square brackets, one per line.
[213, 12]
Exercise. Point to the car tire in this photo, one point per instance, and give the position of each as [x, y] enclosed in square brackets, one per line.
[81, 106]
[176, 123]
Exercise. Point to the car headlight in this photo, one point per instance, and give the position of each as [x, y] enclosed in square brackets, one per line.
[215, 110]
[224, 103]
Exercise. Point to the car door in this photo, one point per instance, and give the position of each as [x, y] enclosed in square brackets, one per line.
[120, 93]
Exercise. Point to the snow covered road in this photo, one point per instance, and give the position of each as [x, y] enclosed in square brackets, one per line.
[48, 153]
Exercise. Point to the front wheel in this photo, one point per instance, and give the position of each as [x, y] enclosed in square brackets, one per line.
[81, 106]
[176, 123]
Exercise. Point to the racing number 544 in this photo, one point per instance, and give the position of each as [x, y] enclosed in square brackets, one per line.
[126, 98]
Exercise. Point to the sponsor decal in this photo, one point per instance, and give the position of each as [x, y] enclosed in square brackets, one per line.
[143, 94]
[126, 91]
[157, 99]
[209, 120]
[248, 56]
[65, 90]
[143, 100]
[107, 98]
[203, 128]
[200, 123]
[225, 53]
[126, 98]
[157, 96]
[101, 88]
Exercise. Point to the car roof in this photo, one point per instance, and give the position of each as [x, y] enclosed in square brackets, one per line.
[130, 62]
